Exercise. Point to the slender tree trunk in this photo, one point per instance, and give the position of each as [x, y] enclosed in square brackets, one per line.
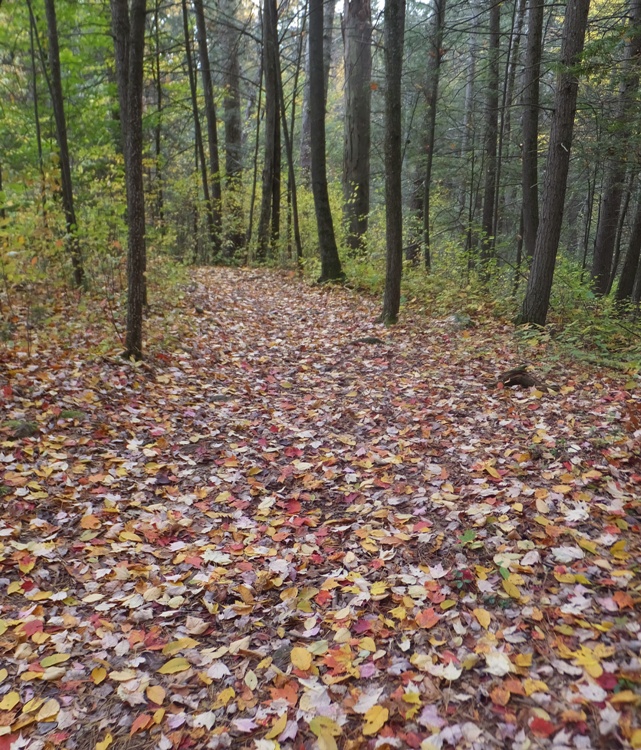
[252, 200]
[210, 114]
[57, 101]
[620, 229]
[306, 130]
[129, 42]
[431, 94]
[209, 203]
[272, 132]
[230, 40]
[618, 164]
[357, 36]
[158, 129]
[491, 133]
[330, 262]
[36, 117]
[394, 19]
[537, 297]
[631, 262]
[530, 171]
[468, 135]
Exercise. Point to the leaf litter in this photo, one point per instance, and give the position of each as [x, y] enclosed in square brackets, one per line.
[266, 537]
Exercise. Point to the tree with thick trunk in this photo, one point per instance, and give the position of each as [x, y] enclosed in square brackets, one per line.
[357, 37]
[57, 101]
[625, 120]
[210, 114]
[330, 262]
[394, 19]
[431, 95]
[306, 128]
[530, 124]
[491, 133]
[128, 29]
[270, 201]
[537, 297]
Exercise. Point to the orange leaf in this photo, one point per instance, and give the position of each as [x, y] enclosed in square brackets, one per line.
[140, 722]
[427, 618]
[542, 727]
[90, 522]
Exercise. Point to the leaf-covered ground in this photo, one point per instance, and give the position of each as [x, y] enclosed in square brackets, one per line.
[276, 534]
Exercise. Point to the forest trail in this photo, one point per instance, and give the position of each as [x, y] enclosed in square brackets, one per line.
[272, 534]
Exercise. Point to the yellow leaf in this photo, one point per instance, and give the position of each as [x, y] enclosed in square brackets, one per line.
[523, 660]
[374, 719]
[174, 665]
[32, 705]
[129, 536]
[301, 658]
[156, 694]
[104, 744]
[378, 588]
[124, 675]
[635, 739]
[9, 701]
[49, 710]
[175, 646]
[483, 617]
[98, 675]
[278, 727]
[224, 697]
[324, 725]
[3, 674]
[534, 686]
[51, 661]
[367, 644]
[13, 587]
[511, 589]
[625, 696]
[588, 546]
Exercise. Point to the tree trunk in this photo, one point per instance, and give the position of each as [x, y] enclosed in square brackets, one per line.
[209, 204]
[468, 135]
[210, 114]
[357, 36]
[158, 128]
[431, 94]
[530, 172]
[618, 163]
[57, 101]
[394, 19]
[306, 130]
[491, 133]
[631, 262]
[129, 42]
[537, 297]
[235, 235]
[270, 165]
[330, 262]
[36, 117]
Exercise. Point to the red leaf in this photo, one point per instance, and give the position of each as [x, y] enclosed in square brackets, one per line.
[541, 727]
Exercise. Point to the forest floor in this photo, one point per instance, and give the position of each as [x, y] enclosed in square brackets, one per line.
[272, 535]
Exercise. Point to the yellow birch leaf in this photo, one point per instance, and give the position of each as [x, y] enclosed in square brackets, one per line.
[278, 727]
[483, 617]
[180, 664]
[3, 674]
[156, 694]
[98, 675]
[9, 701]
[625, 696]
[635, 739]
[104, 744]
[374, 719]
[49, 710]
[175, 646]
[301, 658]
[511, 589]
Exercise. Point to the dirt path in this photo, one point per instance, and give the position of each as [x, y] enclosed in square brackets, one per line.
[274, 533]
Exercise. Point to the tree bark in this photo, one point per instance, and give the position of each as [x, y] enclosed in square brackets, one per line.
[529, 167]
[198, 135]
[306, 129]
[57, 101]
[235, 234]
[210, 114]
[330, 262]
[271, 164]
[357, 36]
[537, 297]
[631, 262]
[129, 41]
[618, 163]
[431, 94]
[158, 128]
[491, 133]
[394, 19]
